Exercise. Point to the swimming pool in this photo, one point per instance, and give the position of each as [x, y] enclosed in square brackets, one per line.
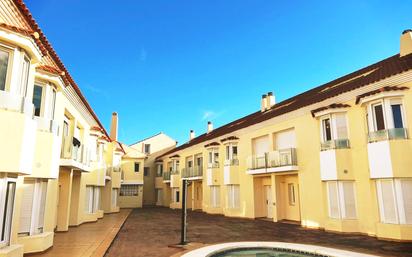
[269, 249]
[264, 252]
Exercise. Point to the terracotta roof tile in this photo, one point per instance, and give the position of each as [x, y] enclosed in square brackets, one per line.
[212, 144]
[332, 106]
[391, 66]
[380, 90]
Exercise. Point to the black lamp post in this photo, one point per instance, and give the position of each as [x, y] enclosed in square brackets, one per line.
[184, 214]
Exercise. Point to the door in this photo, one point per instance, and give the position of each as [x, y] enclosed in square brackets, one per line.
[291, 199]
[269, 202]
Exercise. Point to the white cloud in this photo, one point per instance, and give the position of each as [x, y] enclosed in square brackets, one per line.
[210, 115]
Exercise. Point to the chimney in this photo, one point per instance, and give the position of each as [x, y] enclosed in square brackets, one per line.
[209, 126]
[271, 101]
[192, 135]
[406, 42]
[263, 103]
[113, 127]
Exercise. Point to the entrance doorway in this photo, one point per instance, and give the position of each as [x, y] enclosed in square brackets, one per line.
[269, 202]
[288, 197]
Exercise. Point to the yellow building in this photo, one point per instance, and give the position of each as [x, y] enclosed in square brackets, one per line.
[153, 147]
[334, 157]
[58, 166]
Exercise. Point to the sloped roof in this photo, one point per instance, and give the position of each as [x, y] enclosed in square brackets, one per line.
[388, 67]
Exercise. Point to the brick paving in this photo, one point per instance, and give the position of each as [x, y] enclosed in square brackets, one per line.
[149, 231]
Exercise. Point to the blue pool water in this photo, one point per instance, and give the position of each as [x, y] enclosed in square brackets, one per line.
[262, 252]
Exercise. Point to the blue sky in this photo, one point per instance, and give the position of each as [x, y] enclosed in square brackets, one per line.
[173, 65]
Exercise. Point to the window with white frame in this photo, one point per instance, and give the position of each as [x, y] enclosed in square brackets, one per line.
[38, 99]
[175, 195]
[233, 196]
[231, 153]
[115, 194]
[129, 190]
[96, 199]
[334, 127]
[341, 199]
[147, 148]
[24, 75]
[395, 200]
[159, 170]
[213, 157]
[5, 60]
[32, 207]
[386, 113]
[214, 196]
[89, 199]
[7, 194]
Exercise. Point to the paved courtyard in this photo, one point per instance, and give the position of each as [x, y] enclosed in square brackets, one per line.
[150, 231]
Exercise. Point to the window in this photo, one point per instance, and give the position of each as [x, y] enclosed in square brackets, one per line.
[24, 76]
[159, 171]
[397, 115]
[327, 131]
[378, 117]
[233, 197]
[115, 193]
[37, 99]
[213, 160]
[190, 164]
[32, 207]
[334, 127]
[89, 198]
[52, 104]
[129, 190]
[7, 193]
[291, 194]
[341, 199]
[395, 200]
[175, 195]
[96, 199]
[4, 63]
[214, 196]
[136, 166]
[147, 148]
[231, 152]
[146, 171]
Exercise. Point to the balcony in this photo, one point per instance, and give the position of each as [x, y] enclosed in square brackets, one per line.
[232, 162]
[17, 134]
[386, 153]
[166, 177]
[74, 154]
[334, 144]
[193, 173]
[387, 134]
[46, 125]
[336, 160]
[275, 161]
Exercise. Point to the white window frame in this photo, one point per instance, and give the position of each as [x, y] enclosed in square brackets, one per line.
[386, 103]
[24, 85]
[10, 51]
[229, 155]
[333, 126]
[232, 202]
[397, 198]
[341, 200]
[214, 196]
[9, 215]
[212, 159]
[37, 226]
[115, 195]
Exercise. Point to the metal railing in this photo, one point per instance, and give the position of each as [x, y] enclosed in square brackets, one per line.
[174, 171]
[387, 134]
[159, 174]
[166, 175]
[78, 153]
[213, 165]
[278, 158]
[191, 172]
[334, 144]
[232, 162]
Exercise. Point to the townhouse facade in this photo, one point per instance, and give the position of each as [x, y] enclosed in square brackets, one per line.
[335, 157]
[58, 165]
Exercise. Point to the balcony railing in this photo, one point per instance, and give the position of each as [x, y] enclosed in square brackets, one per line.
[334, 144]
[387, 134]
[213, 165]
[191, 172]
[72, 150]
[159, 174]
[166, 175]
[16, 102]
[232, 162]
[174, 171]
[274, 159]
[47, 125]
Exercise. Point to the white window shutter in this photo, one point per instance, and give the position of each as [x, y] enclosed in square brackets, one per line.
[406, 185]
[341, 126]
[333, 199]
[388, 202]
[42, 204]
[285, 139]
[348, 191]
[26, 211]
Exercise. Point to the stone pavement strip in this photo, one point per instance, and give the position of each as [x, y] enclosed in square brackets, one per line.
[87, 240]
[149, 232]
